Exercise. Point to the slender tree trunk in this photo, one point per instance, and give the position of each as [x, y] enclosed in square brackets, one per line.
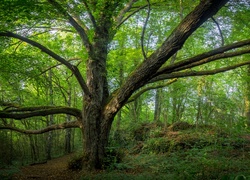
[157, 111]
[50, 119]
[68, 131]
[248, 97]
[68, 137]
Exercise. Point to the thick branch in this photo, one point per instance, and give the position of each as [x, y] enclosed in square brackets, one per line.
[71, 124]
[134, 97]
[199, 73]
[205, 10]
[27, 112]
[73, 68]
[186, 63]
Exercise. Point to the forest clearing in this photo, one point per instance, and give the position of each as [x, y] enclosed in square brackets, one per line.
[124, 89]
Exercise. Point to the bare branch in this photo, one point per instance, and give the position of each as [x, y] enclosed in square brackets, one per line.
[199, 73]
[73, 68]
[143, 31]
[46, 27]
[65, 125]
[186, 63]
[213, 58]
[27, 112]
[59, 64]
[134, 97]
[72, 21]
[131, 14]
[218, 26]
[92, 19]
[124, 11]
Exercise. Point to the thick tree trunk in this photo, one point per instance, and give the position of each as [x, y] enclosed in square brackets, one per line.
[95, 137]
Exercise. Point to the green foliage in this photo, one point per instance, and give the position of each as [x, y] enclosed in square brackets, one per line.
[114, 158]
[6, 173]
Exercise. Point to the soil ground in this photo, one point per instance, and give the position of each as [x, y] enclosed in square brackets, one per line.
[52, 169]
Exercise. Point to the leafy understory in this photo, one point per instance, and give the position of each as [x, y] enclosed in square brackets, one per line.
[180, 151]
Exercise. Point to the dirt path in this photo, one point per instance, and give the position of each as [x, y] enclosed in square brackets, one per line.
[53, 169]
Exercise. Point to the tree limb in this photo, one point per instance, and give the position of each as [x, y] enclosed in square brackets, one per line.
[198, 73]
[131, 14]
[124, 11]
[59, 64]
[143, 31]
[73, 68]
[8, 105]
[92, 19]
[134, 97]
[27, 112]
[77, 27]
[186, 63]
[146, 70]
[221, 34]
[65, 125]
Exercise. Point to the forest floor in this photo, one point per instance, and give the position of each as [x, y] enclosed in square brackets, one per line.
[52, 169]
[178, 153]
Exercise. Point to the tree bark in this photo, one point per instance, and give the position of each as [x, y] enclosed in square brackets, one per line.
[158, 103]
[248, 97]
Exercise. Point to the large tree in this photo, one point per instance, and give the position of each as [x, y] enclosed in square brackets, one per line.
[97, 22]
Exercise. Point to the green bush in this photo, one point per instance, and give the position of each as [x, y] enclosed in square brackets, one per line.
[113, 157]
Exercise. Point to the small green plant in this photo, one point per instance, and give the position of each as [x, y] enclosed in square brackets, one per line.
[113, 157]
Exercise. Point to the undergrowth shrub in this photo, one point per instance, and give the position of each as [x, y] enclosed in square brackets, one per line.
[178, 126]
[113, 157]
[157, 145]
[76, 162]
[147, 130]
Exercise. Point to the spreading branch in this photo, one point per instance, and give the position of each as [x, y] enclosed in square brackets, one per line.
[147, 69]
[204, 56]
[72, 21]
[59, 64]
[220, 31]
[134, 97]
[122, 13]
[144, 30]
[119, 23]
[8, 105]
[65, 125]
[92, 18]
[199, 73]
[27, 112]
[55, 56]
